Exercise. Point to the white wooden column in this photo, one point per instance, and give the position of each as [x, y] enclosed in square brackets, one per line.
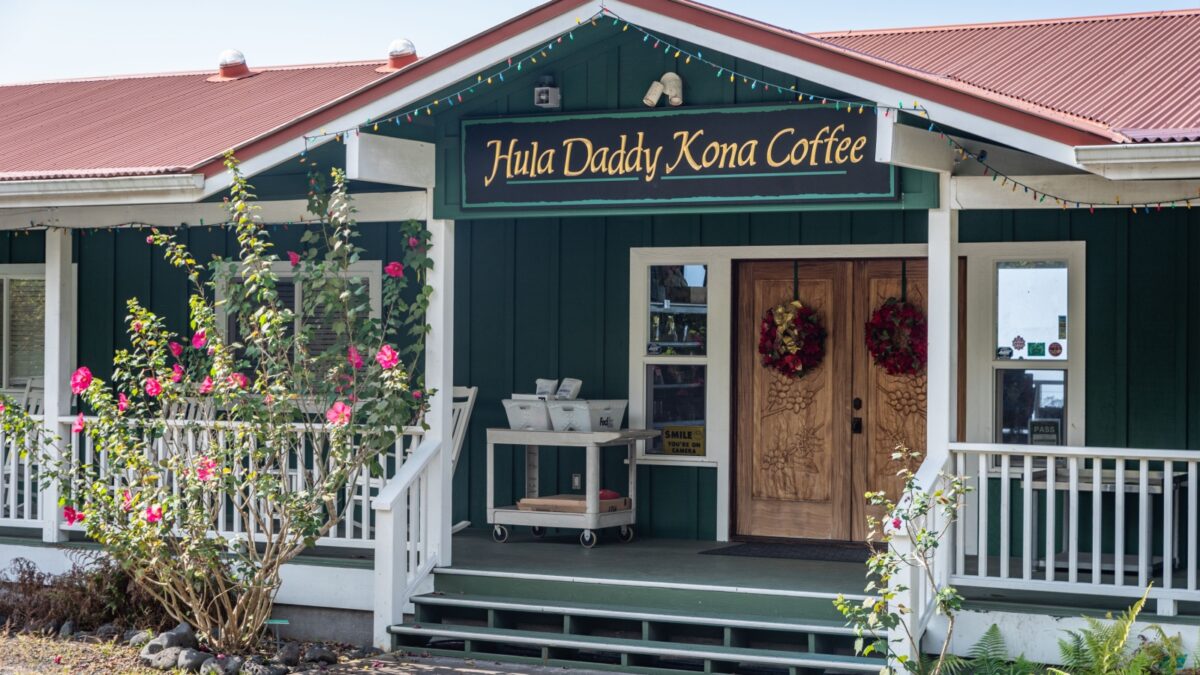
[60, 325]
[439, 376]
[942, 394]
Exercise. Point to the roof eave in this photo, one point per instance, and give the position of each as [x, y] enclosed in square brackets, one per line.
[146, 189]
[1137, 161]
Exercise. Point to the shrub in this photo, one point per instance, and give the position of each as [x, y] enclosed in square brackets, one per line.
[302, 411]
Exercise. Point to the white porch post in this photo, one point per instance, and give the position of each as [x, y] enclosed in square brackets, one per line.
[394, 579]
[942, 395]
[439, 376]
[60, 324]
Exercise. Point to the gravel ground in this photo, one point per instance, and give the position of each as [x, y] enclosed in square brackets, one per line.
[20, 654]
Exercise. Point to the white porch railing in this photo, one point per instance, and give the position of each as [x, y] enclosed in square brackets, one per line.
[20, 495]
[357, 528]
[1024, 527]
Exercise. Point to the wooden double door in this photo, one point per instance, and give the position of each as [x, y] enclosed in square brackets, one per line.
[807, 448]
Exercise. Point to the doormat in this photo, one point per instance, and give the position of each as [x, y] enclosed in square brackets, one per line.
[851, 553]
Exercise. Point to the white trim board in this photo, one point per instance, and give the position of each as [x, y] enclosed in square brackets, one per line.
[369, 207]
[301, 584]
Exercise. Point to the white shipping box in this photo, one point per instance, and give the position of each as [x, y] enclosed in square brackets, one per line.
[581, 415]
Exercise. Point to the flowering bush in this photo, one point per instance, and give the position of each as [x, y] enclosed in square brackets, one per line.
[296, 421]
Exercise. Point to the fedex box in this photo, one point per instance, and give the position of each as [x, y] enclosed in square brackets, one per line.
[582, 415]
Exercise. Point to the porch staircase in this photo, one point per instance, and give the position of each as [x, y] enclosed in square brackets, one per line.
[636, 627]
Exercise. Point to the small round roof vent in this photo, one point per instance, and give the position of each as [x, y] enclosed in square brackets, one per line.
[231, 66]
[400, 54]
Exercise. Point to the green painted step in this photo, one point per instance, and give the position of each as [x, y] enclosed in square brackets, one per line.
[537, 589]
[628, 613]
[708, 653]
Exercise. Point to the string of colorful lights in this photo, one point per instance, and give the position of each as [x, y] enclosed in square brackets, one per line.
[606, 16]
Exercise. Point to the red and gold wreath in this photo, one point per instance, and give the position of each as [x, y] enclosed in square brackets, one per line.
[791, 339]
[897, 339]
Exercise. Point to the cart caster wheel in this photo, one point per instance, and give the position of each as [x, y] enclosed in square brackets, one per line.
[587, 539]
[626, 533]
[538, 532]
[499, 534]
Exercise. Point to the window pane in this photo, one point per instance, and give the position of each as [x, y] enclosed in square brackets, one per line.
[1031, 310]
[678, 309]
[676, 399]
[26, 328]
[1031, 406]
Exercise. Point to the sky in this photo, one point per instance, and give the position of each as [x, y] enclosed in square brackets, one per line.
[60, 39]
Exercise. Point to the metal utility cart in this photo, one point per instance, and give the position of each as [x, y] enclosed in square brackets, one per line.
[591, 519]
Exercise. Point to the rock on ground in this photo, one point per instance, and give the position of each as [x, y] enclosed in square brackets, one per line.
[224, 665]
[319, 654]
[288, 655]
[191, 659]
[165, 659]
[138, 638]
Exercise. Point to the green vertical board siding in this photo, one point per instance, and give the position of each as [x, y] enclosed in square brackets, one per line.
[549, 297]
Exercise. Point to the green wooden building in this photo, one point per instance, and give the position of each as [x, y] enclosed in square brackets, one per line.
[623, 193]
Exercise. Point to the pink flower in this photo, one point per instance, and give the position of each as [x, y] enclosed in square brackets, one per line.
[153, 513]
[207, 468]
[238, 380]
[896, 523]
[149, 239]
[338, 413]
[294, 257]
[417, 393]
[177, 373]
[176, 348]
[152, 386]
[2, 408]
[122, 402]
[127, 501]
[81, 380]
[78, 426]
[72, 516]
[354, 357]
[413, 242]
[199, 339]
[394, 269]
[58, 659]
[387, 357]
[137, 326]
[206, 386]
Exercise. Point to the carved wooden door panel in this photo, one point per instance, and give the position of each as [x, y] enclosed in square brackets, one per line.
[793, 434]
[894, 410]
[800, 471]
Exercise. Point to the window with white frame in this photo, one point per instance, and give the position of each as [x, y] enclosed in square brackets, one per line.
[1025, 346]
[291, 293]
[23, 308]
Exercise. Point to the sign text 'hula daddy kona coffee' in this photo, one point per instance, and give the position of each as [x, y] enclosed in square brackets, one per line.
[792, 153]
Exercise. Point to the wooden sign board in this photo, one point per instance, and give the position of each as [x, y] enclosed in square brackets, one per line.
[697, 156]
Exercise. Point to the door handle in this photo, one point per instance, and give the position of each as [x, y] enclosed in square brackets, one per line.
[856, 425]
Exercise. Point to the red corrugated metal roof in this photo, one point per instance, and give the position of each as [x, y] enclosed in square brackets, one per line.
[1136, 74]
[156, 124]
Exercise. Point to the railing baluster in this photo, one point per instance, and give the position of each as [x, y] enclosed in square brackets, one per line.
[1097, 513]
[221, 520]
[1192, 517]
[1143, 523]
[1119, 530]
[1051, 518]
[960, 525]
[1168, 522]
[30, 453]
[1027, 515]
[982, 557]
[1073, 520]
[1005, 515]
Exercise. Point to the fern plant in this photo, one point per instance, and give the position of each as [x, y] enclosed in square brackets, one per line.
[1102, 647]
[989, 656]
